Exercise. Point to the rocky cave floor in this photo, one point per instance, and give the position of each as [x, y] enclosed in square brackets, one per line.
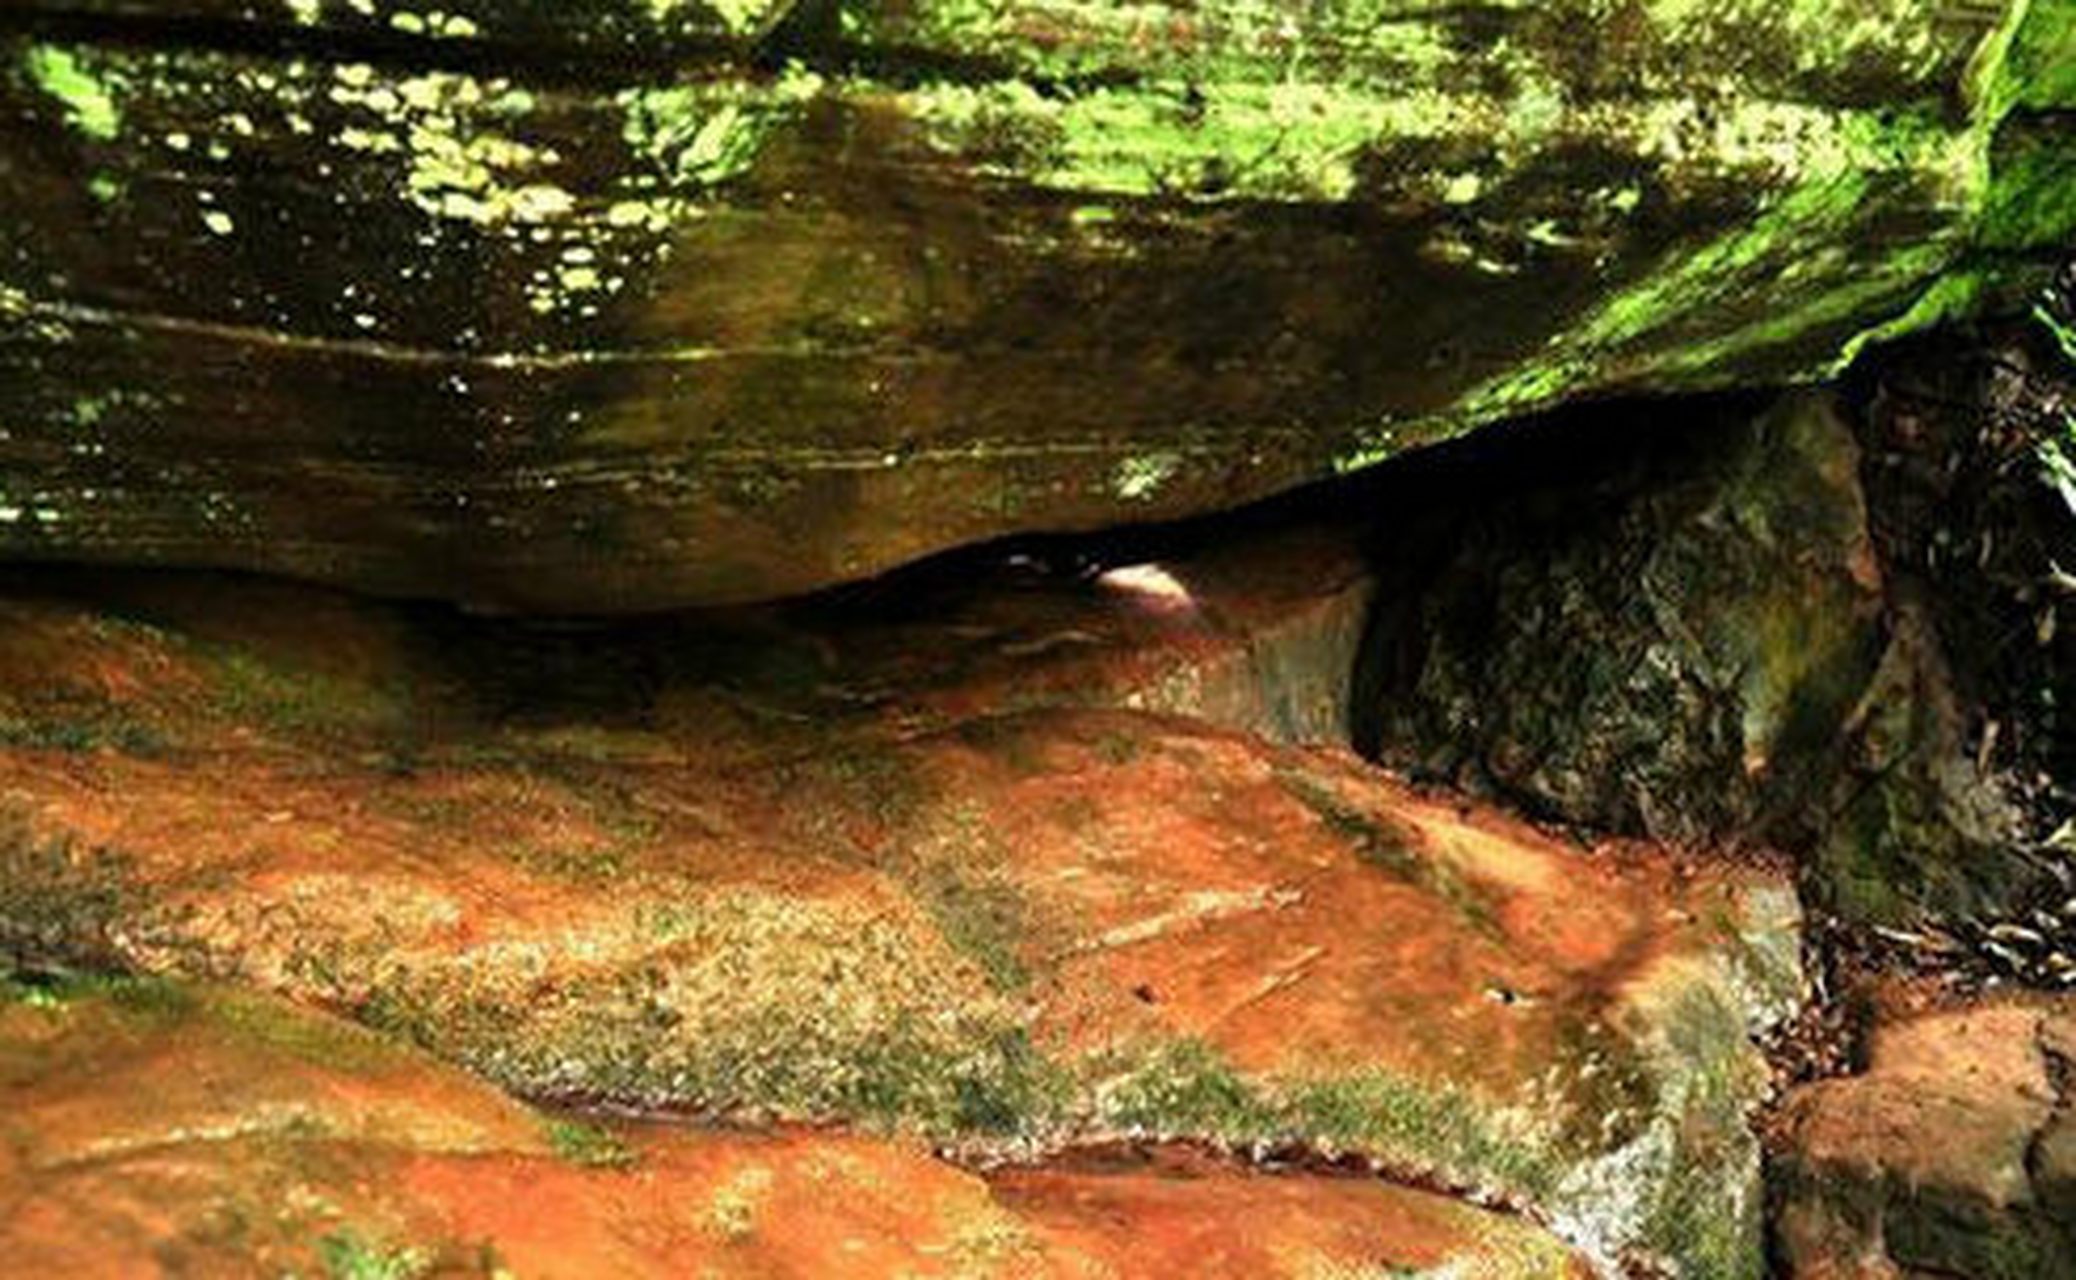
[1635, 843]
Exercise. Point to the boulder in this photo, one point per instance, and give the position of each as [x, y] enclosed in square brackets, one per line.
[1687, 630]
[1027, 906]
[155, 1128]
[1953, 1154]
[625, 303]
[1648, 626]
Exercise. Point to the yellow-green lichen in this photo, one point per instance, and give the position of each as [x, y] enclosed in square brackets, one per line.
[449, 26]
[704, 134]
[1407, 42]
[1139, 477]
[448, 128]
[733, 1210]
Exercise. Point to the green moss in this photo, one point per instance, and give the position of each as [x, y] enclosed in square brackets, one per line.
[2041, 60]
[1438, 1129]
[688, 139]
[347, 1254]
[89, 729]
[589, 864]
[1390, 851]
[1139, 477]
[303, 702]
[936, 1072]
[90, 104]
[301, 1034]
[1115, 748]
[157, 999]
[1951, 297]
[415, 1008]
[1189, 1089]
[964, 1078]
[2033, 202]
[1137, 130]
[588, 1145]
[1708, 1212]
[1678, 1179]
[2028, 62]
[1779, 48]
[986, 918]
[865, 780]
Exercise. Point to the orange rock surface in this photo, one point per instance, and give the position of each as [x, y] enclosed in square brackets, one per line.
[1954, 1153]
[1004, 879]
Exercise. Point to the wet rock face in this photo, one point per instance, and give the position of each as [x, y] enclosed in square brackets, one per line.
[1954, 1154]
[1010, 876]
[154, 1127]
[615, 305]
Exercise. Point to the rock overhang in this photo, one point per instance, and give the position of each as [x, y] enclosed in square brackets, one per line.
[624, 305]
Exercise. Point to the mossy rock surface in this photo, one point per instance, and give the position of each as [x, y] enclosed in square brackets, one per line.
[158, 1127]
[1005, 912]
[613, 305]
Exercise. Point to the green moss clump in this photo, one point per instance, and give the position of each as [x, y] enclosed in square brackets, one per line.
[94, 729]
[1707, 1214]
[90, 105]
[964, 1076]
[1435, 1129]
[314, 1038]
[346, 1254]
[146, 997]
[1187, 1089]
[588, 1145]
[305, 703]
[986, 919]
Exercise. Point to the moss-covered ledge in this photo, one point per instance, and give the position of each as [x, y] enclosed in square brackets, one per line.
[439, 302]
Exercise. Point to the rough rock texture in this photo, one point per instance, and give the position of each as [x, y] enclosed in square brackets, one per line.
[1954, 1154]
[1657, 638]
[1678, 624]
[609, 305]
[161, 1129]
[1961, 442]
[768, 882]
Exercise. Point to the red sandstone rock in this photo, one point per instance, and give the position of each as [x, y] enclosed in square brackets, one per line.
[159, 1129]
[934, 876]
[1950, 1155]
